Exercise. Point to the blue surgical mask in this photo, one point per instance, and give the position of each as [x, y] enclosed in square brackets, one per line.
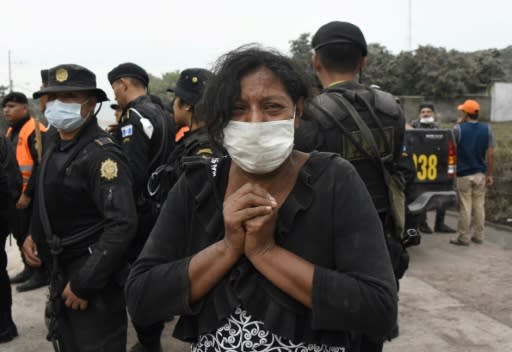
[65, 117]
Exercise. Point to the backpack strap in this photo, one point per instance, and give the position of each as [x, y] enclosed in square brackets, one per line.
[151, 129]
[365, 132]
[396, 196]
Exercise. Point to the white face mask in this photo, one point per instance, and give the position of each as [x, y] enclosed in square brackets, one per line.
[427, 119]
[259, 147]
[64, 116]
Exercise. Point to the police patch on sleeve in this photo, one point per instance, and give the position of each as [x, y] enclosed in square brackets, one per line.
[108, 169]
[126, 131]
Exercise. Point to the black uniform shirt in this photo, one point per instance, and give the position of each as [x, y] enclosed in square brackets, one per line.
[82, 191]
[145, 137]
[4, 188]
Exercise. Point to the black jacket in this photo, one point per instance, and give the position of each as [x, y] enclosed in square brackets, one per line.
[141, 119]
[5, 197]
[11, 169]
[194, 144]
[326, 220]
[87, 182]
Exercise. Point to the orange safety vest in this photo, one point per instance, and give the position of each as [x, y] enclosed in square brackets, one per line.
[181, 132]
[23, 155]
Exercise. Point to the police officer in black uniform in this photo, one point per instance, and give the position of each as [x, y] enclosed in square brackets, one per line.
[194, 143]
[340, 54]
[15, 105]
[10, 188]
[146, 137]
[84, 218]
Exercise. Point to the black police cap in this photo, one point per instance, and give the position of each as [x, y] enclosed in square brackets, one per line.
[191, 84]
[129, 69]
[71, 78]
[15, 97]
[337, 32]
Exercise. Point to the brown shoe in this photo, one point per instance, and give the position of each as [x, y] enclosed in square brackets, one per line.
[459, 242]
[476, 240]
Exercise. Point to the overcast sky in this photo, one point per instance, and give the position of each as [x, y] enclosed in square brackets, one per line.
[170, 35]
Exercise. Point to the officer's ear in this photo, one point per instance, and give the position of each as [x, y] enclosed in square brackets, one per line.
[122, 83]
[363, 63]
[299, 111]
[315, 62]
[127, 83]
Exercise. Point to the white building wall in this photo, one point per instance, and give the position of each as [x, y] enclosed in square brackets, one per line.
[501, 102]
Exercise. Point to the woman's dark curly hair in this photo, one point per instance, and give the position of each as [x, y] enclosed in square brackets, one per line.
[222, 91]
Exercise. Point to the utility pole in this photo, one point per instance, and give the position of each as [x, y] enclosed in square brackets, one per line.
[409, 26]
[10, 72]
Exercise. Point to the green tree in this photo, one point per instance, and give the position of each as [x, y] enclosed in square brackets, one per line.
[433, 72]
[381, 68]
[158, 86]
[506, 60]
[486, 67]
[301, 52]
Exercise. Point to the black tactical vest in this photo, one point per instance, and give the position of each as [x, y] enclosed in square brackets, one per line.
[350, 143]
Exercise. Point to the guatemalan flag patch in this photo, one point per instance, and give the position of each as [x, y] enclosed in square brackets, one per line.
[127, 131]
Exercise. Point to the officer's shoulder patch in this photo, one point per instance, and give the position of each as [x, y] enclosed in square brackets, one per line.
[108, 169]
[204, 152]
[103, 141]
[127, 130]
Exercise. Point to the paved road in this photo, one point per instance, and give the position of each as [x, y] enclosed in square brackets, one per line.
[452, 299]
[456, 298]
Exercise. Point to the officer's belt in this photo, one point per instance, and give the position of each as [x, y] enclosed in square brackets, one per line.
[58, 244]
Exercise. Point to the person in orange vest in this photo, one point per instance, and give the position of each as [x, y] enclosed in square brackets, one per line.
[22, 133]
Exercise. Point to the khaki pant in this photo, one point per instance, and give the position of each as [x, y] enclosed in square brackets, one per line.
[471, 193]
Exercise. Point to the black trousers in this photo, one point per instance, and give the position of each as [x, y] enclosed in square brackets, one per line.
[148, 335]
[5, 286]
[102, 327]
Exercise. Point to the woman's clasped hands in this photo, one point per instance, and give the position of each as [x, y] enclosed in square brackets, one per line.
[250, 216]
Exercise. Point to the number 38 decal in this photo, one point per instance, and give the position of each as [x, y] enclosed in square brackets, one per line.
[426, 166]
